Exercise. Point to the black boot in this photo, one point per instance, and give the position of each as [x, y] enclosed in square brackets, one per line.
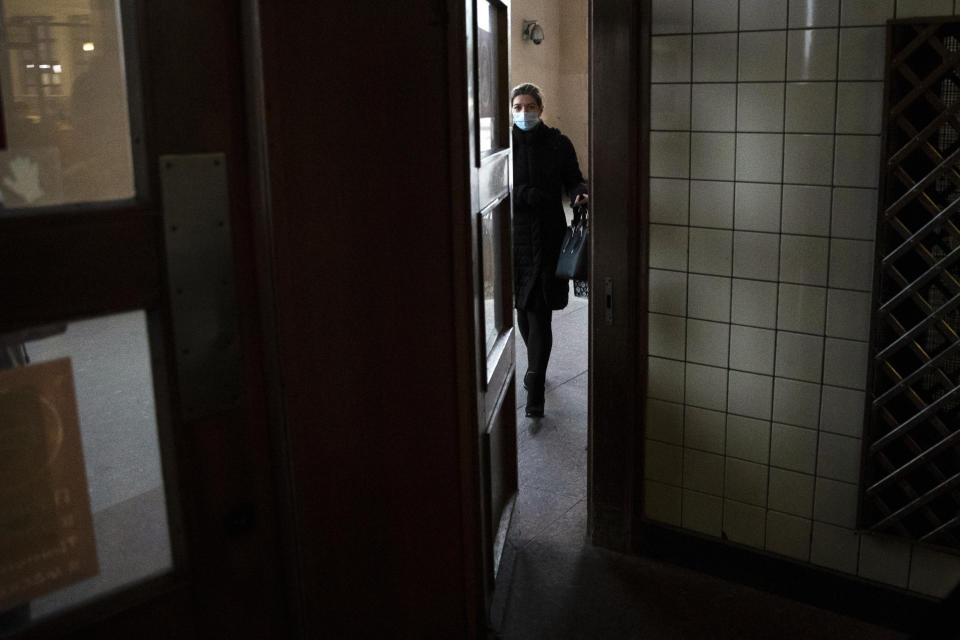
[534, 384]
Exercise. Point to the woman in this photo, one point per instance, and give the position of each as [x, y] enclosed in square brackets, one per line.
[544, 167]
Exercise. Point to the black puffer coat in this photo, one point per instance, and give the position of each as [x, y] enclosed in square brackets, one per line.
[544, 166]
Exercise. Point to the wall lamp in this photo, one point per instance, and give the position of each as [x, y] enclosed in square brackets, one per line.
[532, 31]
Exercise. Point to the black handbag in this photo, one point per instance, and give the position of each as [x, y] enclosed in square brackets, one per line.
[575, 249]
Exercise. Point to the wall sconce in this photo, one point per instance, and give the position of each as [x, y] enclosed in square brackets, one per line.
[532, 31]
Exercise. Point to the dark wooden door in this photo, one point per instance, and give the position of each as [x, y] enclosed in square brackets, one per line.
[490, 211]
[126, 247]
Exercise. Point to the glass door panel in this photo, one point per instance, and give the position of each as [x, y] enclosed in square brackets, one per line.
[82, 466]
[65, 103]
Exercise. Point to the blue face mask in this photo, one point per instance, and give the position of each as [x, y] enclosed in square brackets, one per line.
[526, 120]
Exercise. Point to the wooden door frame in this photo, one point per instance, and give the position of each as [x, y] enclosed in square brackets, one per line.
[619, 152]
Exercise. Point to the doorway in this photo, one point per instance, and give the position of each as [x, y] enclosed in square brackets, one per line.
[550, 48]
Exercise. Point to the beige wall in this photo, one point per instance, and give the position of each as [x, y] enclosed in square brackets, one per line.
[558, 65]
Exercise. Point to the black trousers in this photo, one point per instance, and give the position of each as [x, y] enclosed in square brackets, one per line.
[537, 335]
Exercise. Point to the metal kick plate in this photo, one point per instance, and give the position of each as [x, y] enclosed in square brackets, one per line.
[196, 214]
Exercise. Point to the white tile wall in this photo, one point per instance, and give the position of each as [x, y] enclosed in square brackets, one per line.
[848, 314]
[934, 573]
[663, 462]
[814, 13]
[759, 157]
[803, 260]
[763, 14]
[665, 379]
[708, 342]
[669, 201]
[666, 336]
[812, 54]
[748, 438]
[704, 430]
[714, 107]
[861, 53]
[857, 107]
[842, 411]
[806, 210]
[791, 492]
[756, 255]
[801, 308]
[708, 297]
[807, 158]
[702, 512]
[754, 303]
[670, 106]
[668, 247]
[715, 57]
[845, 363]
[810, 107]
[885, 560]
[714, 15]
[911, 8]
[796, 403]
[764, 166]
[759, 106]
[856, 161]
[669, 154]
[712, 155]
[865, 12]
[744, 523]
[750, 394]
[757, 207]
[702, 471]
[711, 204]
[668, 292]
[670, 59]
[793, 448]
[706, 387]
[838, 457]
[665, 421]
[752, 349]
[662, 502]
[670, 17]
[762, 55]
[799, 356]
[788, 535]
[834, 547]
[746, 482]
[851, 264]
[854, 213]
[711, 251]
[835, 503]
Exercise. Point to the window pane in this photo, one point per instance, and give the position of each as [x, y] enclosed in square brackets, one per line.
[488, 74]
[79, 398]
[65, 104]
[489, 264]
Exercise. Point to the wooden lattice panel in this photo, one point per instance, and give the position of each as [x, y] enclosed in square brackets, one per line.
[911, 470]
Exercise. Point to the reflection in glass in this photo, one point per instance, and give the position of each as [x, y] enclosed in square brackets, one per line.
[65, 103]
[488, 75]
[488, 262]
[109, 358]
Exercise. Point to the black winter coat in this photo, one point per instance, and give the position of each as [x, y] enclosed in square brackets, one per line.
[544, 166]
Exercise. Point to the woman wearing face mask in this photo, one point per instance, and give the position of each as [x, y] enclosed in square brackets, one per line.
[544, 168]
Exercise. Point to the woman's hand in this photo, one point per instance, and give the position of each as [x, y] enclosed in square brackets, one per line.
[581, 200]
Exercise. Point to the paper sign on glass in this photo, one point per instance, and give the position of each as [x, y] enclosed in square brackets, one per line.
[47, 540]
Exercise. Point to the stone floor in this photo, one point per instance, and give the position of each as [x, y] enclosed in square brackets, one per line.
[554, 585]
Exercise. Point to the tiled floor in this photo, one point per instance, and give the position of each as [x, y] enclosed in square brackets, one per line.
[554, 585]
